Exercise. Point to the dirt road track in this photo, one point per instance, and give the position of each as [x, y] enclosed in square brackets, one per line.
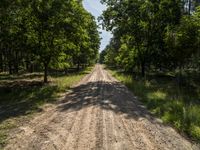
[100, 114]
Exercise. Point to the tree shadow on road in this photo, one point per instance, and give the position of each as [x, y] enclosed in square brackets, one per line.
[111, 96]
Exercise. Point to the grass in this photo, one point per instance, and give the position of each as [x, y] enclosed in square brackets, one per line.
[164, 97]
[23, 95]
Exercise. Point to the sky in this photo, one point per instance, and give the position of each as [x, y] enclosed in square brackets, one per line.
[96, 9]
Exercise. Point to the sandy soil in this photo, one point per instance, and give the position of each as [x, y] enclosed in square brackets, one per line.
[101, 114]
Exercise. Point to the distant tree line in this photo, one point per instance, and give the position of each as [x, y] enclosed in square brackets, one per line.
[152, 35]
[44, 34]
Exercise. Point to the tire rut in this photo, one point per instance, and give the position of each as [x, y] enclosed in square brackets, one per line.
[99, 113]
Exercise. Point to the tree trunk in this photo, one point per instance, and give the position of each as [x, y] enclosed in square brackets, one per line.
[143, 68]
[31, 68]
[45, 72]
[16, 68]
[66, 70]
[16, 64]
[189, 5]
[27, 65]
[10, 67]
[78, 66]
[180, 79]
[1, 62]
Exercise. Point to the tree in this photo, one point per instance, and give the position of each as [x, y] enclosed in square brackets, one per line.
[51, 33]
[141, 27]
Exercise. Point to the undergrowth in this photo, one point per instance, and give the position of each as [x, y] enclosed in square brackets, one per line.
[174, 104]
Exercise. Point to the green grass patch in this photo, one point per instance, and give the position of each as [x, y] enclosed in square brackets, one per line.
[164, 97]
[5, 126]
[21, 96]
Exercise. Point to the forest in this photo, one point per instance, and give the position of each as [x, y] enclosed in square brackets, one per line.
[46, 46]
[156, 51]
[58, 90]
[46, 35]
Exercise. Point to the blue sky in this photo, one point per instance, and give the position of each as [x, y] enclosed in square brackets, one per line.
[96, 8]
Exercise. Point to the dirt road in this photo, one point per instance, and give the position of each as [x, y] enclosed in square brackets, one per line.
[101, 114]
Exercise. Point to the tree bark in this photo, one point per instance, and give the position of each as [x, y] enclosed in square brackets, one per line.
[189, 5]
[78, 66]
[1, 62]
[31, 68]
[10, 68]
[45, 72]
[143, 68]
[16, 64]
[16, 70]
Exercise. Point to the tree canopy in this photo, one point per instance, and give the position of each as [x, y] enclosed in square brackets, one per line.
[47, 33]
[152, 34]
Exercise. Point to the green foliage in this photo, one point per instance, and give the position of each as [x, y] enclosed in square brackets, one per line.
[102, 57]
[46, 33]
[151, 35]
[183, 41]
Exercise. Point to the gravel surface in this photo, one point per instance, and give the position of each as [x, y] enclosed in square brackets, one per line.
[100, 114]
